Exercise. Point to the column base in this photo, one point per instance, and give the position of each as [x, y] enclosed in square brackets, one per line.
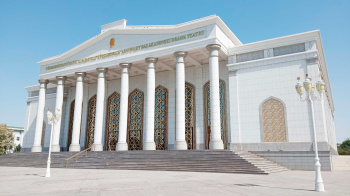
[149, 146]
[121, 147]
[36, 149]
[97, 147]
[180, 145]
[55, 148]
[216, 145]
[74, 148]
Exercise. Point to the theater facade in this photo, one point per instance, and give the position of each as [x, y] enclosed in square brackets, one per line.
[185, 87]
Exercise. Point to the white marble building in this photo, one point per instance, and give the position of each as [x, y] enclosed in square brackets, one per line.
[147, 87]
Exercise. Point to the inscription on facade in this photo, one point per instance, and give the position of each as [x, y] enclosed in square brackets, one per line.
[127, 50]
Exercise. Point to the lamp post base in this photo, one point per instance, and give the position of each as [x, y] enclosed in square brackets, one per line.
[319, 187]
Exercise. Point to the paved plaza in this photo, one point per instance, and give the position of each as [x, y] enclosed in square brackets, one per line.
[31, 181]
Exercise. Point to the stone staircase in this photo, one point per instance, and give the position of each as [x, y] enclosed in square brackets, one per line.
[221, 161]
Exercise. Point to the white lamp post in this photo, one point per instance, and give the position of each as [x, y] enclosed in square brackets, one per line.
[52, 120]
[310, 96]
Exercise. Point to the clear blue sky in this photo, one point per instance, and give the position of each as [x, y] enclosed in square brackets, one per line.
[33, 30]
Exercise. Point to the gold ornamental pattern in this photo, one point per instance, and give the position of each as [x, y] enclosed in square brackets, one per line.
[90, 129]
[190, 120]
[273, 120]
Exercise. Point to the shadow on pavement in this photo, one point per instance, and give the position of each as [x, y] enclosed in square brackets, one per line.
[253, 185]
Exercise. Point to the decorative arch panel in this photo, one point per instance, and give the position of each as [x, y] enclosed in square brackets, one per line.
[71, 120]
[43, 134]
[112, 124]
[190, 116]
[223, 116]
[135, 120]
[273, 121]
[161, 118]
[90, 128]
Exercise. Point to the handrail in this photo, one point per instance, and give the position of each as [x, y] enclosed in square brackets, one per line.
[76, 155]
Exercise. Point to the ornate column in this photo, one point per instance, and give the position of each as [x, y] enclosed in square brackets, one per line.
[123, 116]
[40, 116]
[59, 101]
[100, 100]
[150, 98]
[215, 141]
[75, 145]
[180, 139]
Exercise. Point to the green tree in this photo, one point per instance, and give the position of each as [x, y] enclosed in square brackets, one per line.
[345, 145]
[6, 139]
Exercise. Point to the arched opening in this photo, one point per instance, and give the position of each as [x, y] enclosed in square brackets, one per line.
[273, 121]
[161, 118]
[90, 128]
[207, 117]
[135, 120]
[112, 124]
[190, 116]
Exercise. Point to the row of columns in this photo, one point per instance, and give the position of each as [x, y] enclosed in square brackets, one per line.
[180, 141]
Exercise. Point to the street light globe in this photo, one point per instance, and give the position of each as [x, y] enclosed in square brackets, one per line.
[49, 115]
[307, 84]
[299, 87]
[57, 114]
[320, 85]
[312, 90]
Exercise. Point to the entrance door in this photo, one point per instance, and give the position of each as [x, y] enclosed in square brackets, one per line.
[90, 128]
[71, 119]
[161, 118]
[135, 120]
[190, 117]
[112, 125]
[207, 119]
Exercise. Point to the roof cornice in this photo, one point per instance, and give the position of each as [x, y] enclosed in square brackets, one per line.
[136, 30]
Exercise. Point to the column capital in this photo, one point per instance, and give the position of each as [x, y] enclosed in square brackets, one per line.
[213, 47]
[42, 81]
[125, 65]
[80, 74]
[180, 53]
[61, 80]
[151, 60]
[102, 70]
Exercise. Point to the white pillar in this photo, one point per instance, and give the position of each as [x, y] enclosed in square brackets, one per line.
[215, 141]
[40, 116]
[123, 113]
[180, 142]
[59, 101]
[75, 145]
[150, 98]
[100, 100]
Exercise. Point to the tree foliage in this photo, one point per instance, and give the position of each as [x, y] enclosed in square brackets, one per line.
[6, 139]
[344, 148]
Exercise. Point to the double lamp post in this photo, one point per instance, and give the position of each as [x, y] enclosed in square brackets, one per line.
[52, 120]
[311, 97]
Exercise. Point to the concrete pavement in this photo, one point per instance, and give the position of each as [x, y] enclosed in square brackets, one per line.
[31, 181]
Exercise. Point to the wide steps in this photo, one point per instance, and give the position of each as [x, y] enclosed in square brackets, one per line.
[222, 161]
